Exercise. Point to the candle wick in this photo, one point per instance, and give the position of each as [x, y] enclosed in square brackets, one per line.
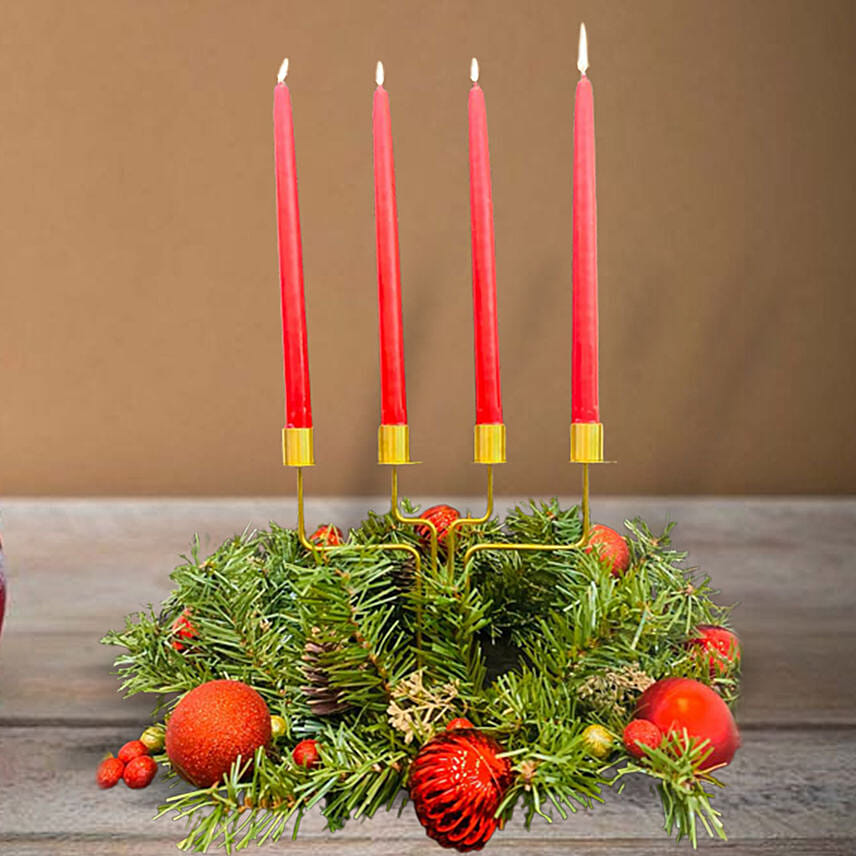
[378, 75]
[474, 70]
[582, 53]
[283, 71]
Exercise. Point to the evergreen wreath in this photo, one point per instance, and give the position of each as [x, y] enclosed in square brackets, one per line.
[544, 654]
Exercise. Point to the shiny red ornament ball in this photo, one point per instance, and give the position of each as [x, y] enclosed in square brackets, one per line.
[305, 754]
[458, 722]
[183, 629]
[327, 536]
[457, 782]
[442, 516]
[718, 645]
[211, 726]
[611, 547]
[675, 704]
[641, 731]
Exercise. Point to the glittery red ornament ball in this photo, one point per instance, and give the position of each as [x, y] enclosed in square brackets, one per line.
[211, 726]
[675, 704]
[457, 782]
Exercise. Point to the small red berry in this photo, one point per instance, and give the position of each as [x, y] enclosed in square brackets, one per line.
[183, 628]
[140, 771]
[718, 645]
[442, 516]
[305, 754]
[109, 772]
[459, 722]
[132, 749]
[610, 547]
[327, 536]
[644, 732]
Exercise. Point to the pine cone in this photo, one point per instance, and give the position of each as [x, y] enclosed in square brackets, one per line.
[403, 574]
[324, 700]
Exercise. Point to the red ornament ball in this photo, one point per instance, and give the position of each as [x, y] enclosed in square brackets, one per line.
[132, 749]
[140, 771]
[211, 726]
[611, 547]
[718, 645]
[442, 516]
[457, 782]
[644, 732]
[305, 754]
[109, 772]
[327, 536]
[183, 629]
[458, 722]
[675, 704]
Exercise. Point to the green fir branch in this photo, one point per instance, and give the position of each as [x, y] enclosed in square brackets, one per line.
[532, 647]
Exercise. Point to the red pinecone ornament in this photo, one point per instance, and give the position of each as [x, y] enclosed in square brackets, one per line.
[457, 783]
[442, 516]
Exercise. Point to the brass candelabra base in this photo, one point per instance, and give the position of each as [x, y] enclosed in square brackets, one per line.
[393, 450]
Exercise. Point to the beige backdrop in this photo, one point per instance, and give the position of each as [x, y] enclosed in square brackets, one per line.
[140, 334]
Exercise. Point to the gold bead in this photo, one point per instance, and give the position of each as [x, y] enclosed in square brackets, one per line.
[598, 740]
[152, 738]
[278, 727]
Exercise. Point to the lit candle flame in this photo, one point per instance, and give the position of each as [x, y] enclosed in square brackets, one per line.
[474, 70]
[582, 54]
[283, 71]
[378, 75]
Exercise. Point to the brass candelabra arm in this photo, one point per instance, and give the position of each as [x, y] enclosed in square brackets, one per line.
[413, 521]
[451, 536]
[321, 551]
[500, 546]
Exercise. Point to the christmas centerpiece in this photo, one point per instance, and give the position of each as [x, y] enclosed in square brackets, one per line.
[478, 665]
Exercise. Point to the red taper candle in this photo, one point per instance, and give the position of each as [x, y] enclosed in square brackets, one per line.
[298, 406]
[584, 400]
[393, 396]
[486, 341]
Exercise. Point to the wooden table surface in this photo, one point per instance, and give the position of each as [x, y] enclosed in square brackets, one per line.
[76, 567]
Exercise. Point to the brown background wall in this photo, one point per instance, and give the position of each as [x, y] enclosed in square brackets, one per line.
[140, 338]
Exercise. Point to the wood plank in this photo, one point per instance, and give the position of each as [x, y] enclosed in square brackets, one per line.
[394, 846]
[77, 566]
[783, 785]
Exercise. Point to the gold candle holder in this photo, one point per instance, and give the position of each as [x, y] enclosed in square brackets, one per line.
[489, 443]
[393, 445]
[586, 442]
[298, 448]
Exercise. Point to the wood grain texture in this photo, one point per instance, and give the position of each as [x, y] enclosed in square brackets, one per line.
[392, 846]
[77, 566]
[782, 784]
